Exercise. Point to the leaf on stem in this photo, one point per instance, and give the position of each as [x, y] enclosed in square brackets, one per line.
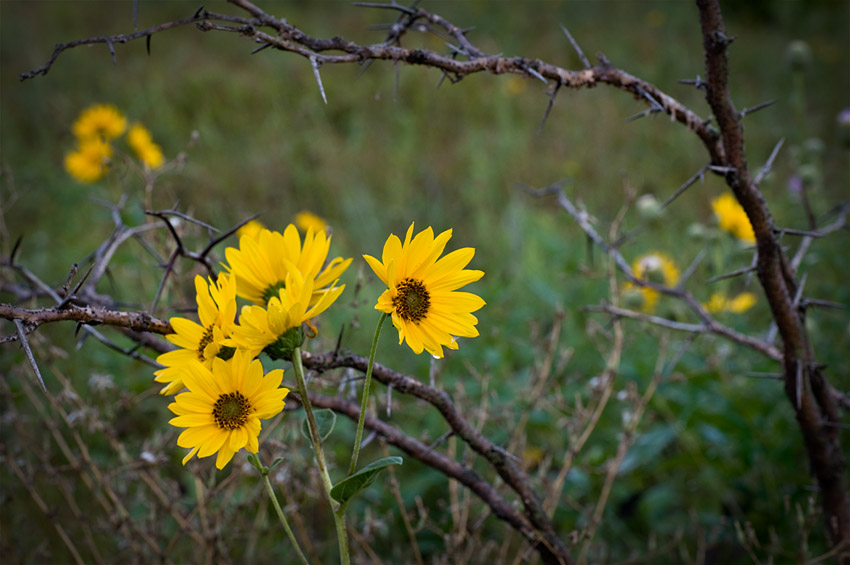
[325, 421]
[348, 488]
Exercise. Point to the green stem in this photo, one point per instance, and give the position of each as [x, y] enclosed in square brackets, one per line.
[265, 474]
[339, 519]
[358, 436]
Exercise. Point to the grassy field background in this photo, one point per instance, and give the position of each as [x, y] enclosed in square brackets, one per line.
[716, 448]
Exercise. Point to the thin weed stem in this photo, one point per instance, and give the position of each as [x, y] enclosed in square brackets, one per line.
[339, 519]
[358, 437]
[264, 472]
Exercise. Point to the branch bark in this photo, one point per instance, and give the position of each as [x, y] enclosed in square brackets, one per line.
[91, 315]
[815, 407]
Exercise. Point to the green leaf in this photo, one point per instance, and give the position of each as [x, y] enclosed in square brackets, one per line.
[347, 488]
[325, 420]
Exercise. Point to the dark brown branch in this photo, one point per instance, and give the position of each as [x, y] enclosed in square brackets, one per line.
[806, 387]
[289, 38]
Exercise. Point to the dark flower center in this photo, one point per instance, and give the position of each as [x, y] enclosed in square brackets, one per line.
[231, 411]
[206, 339]
[412, 300]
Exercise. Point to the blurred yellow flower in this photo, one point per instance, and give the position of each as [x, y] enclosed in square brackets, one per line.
[422, 299]
[223, 407]
[305, 220]
[655, 267]
[277, 327]
[252, 229]
[732, 218]
[200, 343]
[148, 152]
[260, 264]
[90, 161]
[101, 121]
[741, 303]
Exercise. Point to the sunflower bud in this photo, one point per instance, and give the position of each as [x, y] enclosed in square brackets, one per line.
[286, 344]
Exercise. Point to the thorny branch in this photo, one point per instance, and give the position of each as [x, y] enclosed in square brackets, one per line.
[337, 50]
[805, 385]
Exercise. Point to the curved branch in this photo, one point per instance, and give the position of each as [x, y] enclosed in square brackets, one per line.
[110, 41]
[287, 37]
[446, 465]
[550, 546]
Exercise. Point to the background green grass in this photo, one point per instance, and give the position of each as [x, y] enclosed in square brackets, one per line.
[392, 147]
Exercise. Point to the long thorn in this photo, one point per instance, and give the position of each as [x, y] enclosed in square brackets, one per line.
[22, 336]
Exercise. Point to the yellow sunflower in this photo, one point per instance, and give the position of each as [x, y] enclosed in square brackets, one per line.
[655, 267]
[261, 263]
[200, 343]
[277, 327]
[90, 161]
[732, 218]
[101, 121]
[223, 407]
[422, 299]
[139, 139]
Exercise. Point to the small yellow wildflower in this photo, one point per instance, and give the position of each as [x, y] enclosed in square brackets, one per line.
[305, 220]
[719, 303]
[223, 407]
[732, 218]
[252, 229]
[655, 267]
[742, 302]
[715, 304]
[101, 121]
[422, 297]
[148, 152]
[90, 161]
